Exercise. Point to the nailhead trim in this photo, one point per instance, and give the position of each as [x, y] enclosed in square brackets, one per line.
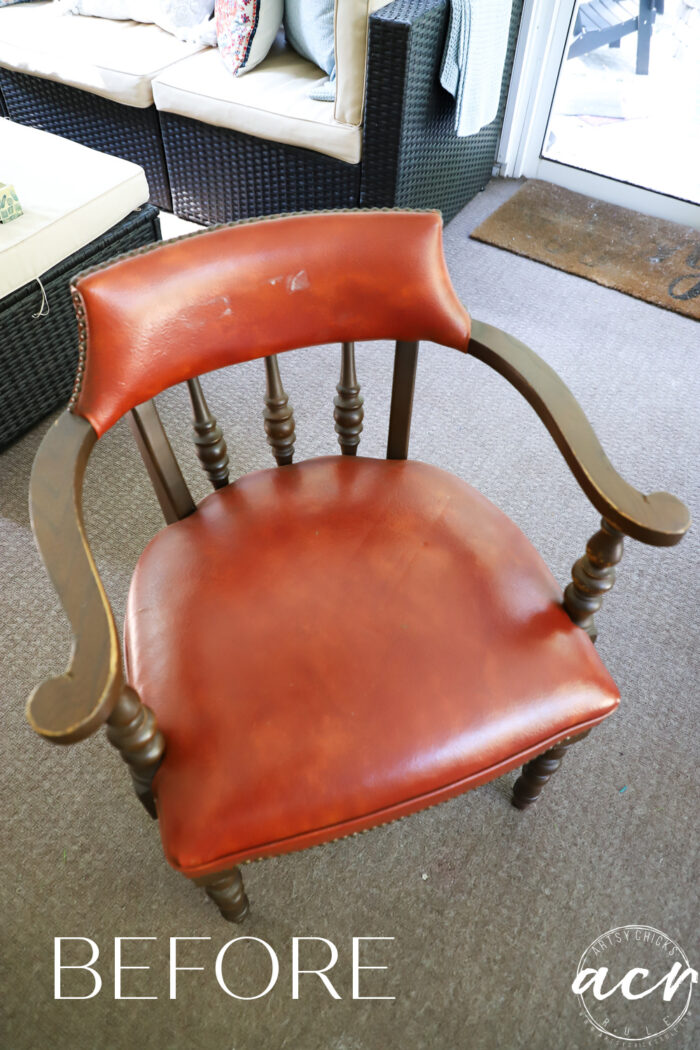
[350, 835]
[395, 820]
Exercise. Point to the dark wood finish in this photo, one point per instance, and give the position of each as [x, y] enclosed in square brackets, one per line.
[209, 440]
[593, 575]
[73, 705]
[536, 773]
[658, 519]
[405, 362]
[348, 412]
[132, 729]
[278, 415]
[228, 893]
[163, 469]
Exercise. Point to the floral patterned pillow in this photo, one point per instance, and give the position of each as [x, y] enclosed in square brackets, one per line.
[245, 30]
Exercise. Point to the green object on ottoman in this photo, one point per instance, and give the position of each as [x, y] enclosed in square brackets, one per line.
[10, 208]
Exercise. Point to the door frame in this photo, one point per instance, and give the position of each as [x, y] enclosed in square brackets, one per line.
[539, 55]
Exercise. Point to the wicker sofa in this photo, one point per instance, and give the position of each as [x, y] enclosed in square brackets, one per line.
[217, 148]
[89, 80]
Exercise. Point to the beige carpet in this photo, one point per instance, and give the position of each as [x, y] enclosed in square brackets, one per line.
[490, 908]
[642, 256]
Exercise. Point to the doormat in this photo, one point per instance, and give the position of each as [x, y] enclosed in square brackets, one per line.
[648, 258]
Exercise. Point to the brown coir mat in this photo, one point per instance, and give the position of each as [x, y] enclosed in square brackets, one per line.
[645, 257]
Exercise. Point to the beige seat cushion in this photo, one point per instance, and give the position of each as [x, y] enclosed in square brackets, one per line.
[117, 60]
[70, 195]
[271, 102]
[351, 31]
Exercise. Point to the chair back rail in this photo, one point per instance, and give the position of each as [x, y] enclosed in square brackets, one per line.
[236, 293]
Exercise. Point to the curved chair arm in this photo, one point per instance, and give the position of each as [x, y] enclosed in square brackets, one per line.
[659, 519]
[72, 706]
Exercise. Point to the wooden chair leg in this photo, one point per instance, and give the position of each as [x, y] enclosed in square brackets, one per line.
[227, 891]
[534, 776]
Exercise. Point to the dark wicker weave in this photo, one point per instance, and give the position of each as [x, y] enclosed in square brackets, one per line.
[3, 107]
[38, 356]
[218, 175]
[411, 154]
[123, 131]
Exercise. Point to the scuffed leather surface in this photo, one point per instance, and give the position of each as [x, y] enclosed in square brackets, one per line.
[239, 292]
[334, 644]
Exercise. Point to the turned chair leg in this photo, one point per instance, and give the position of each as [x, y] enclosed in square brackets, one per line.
[227, 891]
[536, 773]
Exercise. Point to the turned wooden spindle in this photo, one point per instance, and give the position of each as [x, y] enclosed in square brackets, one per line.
[132, 729]
[208, 439]
[227, 891]
[536, 773]
[593, 576]
[348, 412]
[278, 415]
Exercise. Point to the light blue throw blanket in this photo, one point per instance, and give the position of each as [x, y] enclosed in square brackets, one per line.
[473, 60]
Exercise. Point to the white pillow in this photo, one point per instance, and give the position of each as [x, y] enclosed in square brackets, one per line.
[188, 20]
[246, 30]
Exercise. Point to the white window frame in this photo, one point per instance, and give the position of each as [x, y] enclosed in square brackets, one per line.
[541, 43]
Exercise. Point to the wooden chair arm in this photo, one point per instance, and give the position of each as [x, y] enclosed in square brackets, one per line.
[72, 706]
[658, 519]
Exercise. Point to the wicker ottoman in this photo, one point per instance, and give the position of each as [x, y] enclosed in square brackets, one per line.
[81, 208]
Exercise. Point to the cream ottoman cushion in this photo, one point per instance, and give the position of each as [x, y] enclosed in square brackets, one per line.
[69, 194]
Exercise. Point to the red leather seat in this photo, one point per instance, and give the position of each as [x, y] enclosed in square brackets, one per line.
[335, 644]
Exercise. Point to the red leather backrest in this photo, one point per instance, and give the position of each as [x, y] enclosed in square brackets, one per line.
[245, 291]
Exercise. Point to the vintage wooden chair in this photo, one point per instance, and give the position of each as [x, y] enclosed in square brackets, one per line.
[322, 648]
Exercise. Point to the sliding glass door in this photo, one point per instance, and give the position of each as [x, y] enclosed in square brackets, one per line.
[613, 102]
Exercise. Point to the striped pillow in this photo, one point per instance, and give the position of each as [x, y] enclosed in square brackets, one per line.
[245, 30]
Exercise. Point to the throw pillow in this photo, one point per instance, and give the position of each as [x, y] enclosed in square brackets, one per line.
[245, 30]
[186, 19]
[309, 28]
